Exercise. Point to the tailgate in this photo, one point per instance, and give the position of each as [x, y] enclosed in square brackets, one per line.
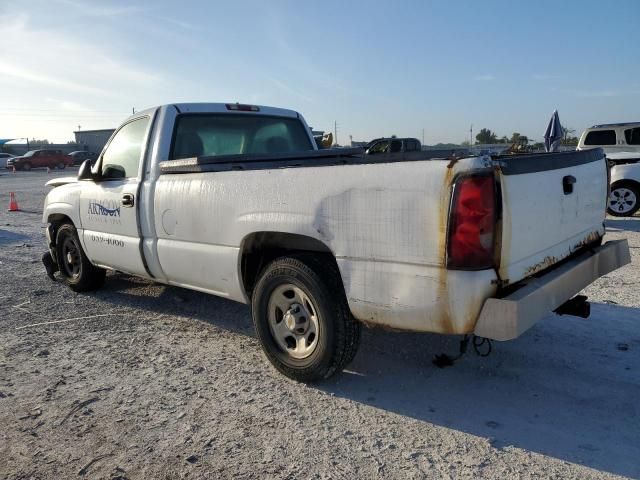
[552, 205]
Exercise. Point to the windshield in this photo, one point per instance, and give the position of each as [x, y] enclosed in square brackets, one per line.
[228, 134]
[30, 153]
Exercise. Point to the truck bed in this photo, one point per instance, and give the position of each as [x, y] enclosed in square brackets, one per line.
[311, 158]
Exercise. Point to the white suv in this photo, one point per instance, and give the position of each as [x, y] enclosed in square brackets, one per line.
[3, 159]
[612, 137]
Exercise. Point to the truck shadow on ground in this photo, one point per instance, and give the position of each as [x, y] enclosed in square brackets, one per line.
[568, 389]
[121, 288]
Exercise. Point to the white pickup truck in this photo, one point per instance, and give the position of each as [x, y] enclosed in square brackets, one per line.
[235, 200]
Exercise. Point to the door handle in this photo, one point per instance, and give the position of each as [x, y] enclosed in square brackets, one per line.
[567, 184]
[127, 200]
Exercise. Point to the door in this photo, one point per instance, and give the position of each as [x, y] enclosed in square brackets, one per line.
[38, 159]
[108, 207]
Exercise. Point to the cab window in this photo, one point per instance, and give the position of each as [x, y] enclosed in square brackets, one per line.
[121, 159]
[212, 134]
[412, 146]
[380, 147]
[601, 137]
[632, 136]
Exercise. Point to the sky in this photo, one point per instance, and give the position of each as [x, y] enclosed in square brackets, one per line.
[376, 68]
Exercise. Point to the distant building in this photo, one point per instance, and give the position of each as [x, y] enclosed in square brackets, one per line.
[93, 140]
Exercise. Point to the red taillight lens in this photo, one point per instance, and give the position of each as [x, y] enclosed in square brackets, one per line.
[472, 221]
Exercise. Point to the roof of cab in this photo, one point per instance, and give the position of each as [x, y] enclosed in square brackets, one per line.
[611, 125]
[220, 108]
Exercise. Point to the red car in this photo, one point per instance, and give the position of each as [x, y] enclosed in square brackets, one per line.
[39, 159]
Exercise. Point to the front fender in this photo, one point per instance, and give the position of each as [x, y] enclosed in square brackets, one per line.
[60, 204]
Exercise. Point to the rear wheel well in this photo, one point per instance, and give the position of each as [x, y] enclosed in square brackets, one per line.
[261, 248]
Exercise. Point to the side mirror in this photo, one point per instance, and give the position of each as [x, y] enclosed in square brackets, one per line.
[114, 171]
[84, 172]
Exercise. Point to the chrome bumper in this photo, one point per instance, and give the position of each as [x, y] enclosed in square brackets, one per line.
[509, 317]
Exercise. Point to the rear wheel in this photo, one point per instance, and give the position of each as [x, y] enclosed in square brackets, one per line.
[75, 268]
[61, 166]
[26, 166]
[302, 319]
[624, 200]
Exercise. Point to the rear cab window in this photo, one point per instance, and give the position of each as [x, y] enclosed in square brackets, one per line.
[212, 134]
[600, 137]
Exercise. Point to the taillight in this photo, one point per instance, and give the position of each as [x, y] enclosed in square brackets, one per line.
[472, 222]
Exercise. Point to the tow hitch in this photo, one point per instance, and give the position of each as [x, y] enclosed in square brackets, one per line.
[577, 306]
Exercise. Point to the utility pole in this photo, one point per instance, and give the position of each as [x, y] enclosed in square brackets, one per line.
[335, 132]
[79, 126]
[471, 135]
[133, 110]
[423, 136]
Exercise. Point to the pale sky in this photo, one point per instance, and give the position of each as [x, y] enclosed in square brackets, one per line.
[377, 68]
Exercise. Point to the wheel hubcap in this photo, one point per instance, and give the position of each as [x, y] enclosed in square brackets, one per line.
[71, 255]
[622, 200]
[293, 321]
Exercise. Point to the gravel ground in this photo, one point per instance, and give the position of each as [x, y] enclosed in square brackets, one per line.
[163, 382]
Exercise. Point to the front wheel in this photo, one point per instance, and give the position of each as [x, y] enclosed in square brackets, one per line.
[26, 167]
[61, 166]
[76, 269]
[624, 200]
[302, 319]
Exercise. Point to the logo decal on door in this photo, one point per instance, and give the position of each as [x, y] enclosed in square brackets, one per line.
[109, 209]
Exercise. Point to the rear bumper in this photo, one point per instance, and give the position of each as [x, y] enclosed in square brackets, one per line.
[509, 317]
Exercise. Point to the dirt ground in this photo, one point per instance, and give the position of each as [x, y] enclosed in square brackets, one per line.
[149, 381]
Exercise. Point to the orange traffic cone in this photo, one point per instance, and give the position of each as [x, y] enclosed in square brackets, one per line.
[48, 171]
[14, 168]
[13, 204]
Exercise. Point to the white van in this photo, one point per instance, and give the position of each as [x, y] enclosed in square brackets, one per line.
[612, 137]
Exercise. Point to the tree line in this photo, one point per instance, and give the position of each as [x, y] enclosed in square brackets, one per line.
[487, 136]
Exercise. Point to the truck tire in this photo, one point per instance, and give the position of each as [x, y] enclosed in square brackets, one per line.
[624, 199]
[75, 268]
[302, 319]
[26, 166]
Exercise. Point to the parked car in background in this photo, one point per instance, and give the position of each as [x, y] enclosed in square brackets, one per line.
[624, 199]
[612, 137]
[392, 145]
[82, 155]
[237, 201]
[3, 159]
[40, 159]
